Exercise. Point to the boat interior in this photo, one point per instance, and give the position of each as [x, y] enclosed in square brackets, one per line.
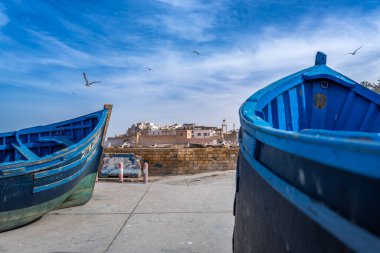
[36, 142]
[323, 106]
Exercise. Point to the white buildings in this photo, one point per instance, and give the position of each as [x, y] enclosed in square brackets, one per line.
[164, 130]
[141, 126]
[202, 132]
[144, 133]
[151, 129]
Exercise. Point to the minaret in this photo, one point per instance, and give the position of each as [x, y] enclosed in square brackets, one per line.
[224, 126]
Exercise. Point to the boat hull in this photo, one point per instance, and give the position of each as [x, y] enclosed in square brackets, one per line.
[26, 205]
[31, 189]
[266, 221]
[287, 202]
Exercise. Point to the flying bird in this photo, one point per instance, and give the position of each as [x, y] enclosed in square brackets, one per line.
[88, 84]
[353, 53]
[73, 93]
[149, 69]
[196, 52]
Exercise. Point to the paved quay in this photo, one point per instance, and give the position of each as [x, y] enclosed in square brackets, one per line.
[191, 213]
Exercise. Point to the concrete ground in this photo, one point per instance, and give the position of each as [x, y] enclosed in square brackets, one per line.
[173, 214]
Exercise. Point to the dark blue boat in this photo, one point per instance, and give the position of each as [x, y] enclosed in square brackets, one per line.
[308, 173]
[48, 167]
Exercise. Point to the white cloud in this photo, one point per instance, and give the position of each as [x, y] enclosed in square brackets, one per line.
[62, 53]
[193, 27]
[3, 17]
[186, 4]
[189, 19]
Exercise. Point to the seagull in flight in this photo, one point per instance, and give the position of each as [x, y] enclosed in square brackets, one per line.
[353, 53]
[196, 52]
[73, 93]
[148, 68]
[88, 84]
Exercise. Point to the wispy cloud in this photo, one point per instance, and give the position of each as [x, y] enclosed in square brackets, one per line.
[59, 52]
[3, 17]
[193, 26]
[189, 20]
[188, 5]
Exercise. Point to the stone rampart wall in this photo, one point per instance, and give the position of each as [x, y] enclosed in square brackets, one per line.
[177, 161]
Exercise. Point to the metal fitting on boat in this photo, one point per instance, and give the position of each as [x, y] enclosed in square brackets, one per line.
[324, 85]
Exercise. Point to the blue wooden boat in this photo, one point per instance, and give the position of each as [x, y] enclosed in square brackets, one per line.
[48, 167]
[308, 172]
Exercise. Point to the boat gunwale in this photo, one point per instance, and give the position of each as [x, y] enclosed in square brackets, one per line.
[263, 95]
[56, 155]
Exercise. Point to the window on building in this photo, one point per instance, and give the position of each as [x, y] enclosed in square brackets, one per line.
[199, 134]
[181, 134]
[205, 134]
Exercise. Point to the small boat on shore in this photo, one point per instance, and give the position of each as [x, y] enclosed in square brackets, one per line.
[308, 172]
[49, 167]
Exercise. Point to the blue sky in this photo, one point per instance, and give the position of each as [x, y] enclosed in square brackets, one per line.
[244, 45]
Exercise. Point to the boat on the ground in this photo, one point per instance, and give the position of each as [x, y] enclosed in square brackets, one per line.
[49, 167]
[308, 172]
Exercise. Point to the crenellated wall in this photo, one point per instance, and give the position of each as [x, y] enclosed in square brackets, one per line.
[177, 161]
